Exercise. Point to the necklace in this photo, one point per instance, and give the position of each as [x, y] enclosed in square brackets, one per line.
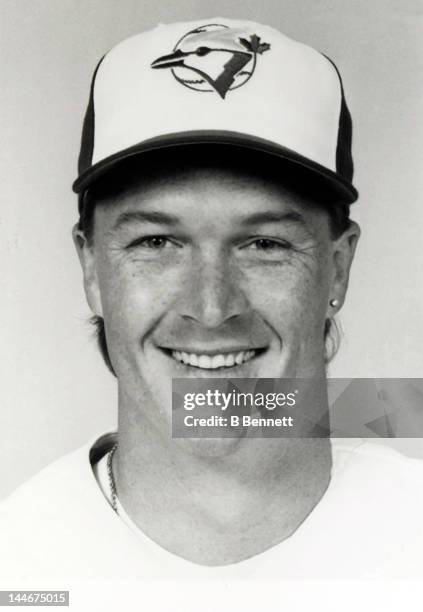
[112, 482]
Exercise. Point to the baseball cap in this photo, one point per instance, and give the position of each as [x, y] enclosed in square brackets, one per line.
[219, 82]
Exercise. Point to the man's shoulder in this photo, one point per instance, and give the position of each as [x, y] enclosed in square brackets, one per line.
[54, 514]
[380, 491]
[369, 469]
[356, 455]
[63, 481]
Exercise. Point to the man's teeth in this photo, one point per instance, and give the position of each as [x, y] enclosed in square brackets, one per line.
[212, 362]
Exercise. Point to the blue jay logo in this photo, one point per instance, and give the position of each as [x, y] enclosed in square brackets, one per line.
[213, 58]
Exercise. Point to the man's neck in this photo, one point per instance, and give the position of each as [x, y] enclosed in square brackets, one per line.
[216, 502]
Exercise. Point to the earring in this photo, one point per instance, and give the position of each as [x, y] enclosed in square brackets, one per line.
[334, 302]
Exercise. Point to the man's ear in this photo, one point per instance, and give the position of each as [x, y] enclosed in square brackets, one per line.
[87, 260]
[343, 255]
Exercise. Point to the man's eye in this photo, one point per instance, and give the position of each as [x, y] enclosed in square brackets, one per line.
[267, 245]
[154, 243]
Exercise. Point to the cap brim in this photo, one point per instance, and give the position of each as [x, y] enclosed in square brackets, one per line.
[334, 184]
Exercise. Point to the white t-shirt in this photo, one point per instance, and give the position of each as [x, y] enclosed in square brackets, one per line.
[60, 526]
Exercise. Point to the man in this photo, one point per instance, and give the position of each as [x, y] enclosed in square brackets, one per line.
[215, 242]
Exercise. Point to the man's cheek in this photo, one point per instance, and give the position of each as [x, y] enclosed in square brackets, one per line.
[132, 310]
[283, 300]
[297, 313]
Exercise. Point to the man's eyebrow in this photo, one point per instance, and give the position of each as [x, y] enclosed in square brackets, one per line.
[140, 216]
[274, 217]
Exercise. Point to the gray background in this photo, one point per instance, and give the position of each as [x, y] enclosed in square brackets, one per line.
[55, 391]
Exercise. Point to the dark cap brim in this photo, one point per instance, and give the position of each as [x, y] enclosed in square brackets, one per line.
[334, 184]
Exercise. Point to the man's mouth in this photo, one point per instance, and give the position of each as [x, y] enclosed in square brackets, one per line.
[214, 361]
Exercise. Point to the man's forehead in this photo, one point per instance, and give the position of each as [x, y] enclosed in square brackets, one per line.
[228, 179]
[229, 169]
[133, 216]
[208, 197]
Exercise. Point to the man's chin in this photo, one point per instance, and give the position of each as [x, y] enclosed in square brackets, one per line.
[209, 448]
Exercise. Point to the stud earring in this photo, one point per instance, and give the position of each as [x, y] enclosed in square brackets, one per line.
[334, 302]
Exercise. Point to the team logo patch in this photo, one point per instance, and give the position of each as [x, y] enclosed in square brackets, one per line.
[214, 58]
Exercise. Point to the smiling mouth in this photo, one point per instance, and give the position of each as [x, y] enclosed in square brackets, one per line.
[216, 360]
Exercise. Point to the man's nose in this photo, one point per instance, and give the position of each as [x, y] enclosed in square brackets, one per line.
[212, 293]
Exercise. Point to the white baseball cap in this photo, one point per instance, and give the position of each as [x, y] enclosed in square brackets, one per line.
[219, 81]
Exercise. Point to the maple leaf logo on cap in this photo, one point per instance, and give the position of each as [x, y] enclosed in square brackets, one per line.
[213, 58]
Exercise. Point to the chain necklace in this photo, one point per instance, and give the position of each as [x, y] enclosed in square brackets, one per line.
[112, 482]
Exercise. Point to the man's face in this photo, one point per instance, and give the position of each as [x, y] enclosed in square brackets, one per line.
[211, 273]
